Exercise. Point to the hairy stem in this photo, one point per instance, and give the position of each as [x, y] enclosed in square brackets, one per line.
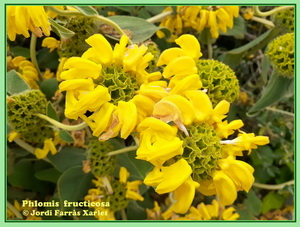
[33, 55]
[107, 185]
[266, 22]
[269, 13]
[159, 17]
[28, 148]
[273, 186]
[14, 210]
[123, 150]
[61, 125]
[280, 111]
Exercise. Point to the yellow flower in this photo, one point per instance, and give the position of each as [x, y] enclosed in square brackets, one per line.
[158, 142]
[48, 74]
[49, 146]
[164, 178]
[248, 14]
[233, 176]
[184, 196]
[26, 70]
[225, 129]
[50, 43]
[199, 18]
[13, 135]
[109, 71]
[20, 19]
[247, 141]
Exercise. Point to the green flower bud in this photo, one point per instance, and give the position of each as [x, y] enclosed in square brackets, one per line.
[83, 27]
[202, 150]
[101, 164]
[121, 85]
[118, 199]
[281, 53]
[284, 20]
[21, 116]
[219, 80]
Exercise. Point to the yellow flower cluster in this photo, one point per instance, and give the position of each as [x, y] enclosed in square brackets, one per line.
[85, 93]
[163, 113]
[182, 103]
[198, 18]
[20, 19]
[115, 196]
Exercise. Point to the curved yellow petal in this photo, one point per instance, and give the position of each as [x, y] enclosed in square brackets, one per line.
[225, 188]
[127, 115]
[77, 84]
[123, 175]
[191, 82]
[168, 55]
[171, 180]
[80, 68]
[240, 172]
[102, 47]
[184, 196]
[190, 46]
[202, 104]
[180, 66]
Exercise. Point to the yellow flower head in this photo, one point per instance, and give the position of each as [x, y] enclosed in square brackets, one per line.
[21, 19]
[198, 18]
[26, 70]
[104, 81]
[50, 43]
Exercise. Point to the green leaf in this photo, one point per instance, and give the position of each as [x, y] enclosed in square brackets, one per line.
[51, 112]
[238, 30]
[47, 60]
[50, 175]
[135, 212]
[61, 31]
[277, 87]
[272, 201]
[49, 87]
[66, 136]
[265, 68]
[86, 10]
[73, 184]
[252, 206]
[138, 168]
[233, 57]
[15, 84]
[140, 29]
[23, 177]
[20, 51]
[67, 158]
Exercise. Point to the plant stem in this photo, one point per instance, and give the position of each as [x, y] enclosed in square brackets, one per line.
[14, 210]
[28, 148]
[269, 24]
[123, 150]
[159, 17]
[268, 13]
[123, 213]
[61, 125]
[273, 186]
[280, 111]
[209, 46]
[107, 185]
[96, 16]
[33, 54]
